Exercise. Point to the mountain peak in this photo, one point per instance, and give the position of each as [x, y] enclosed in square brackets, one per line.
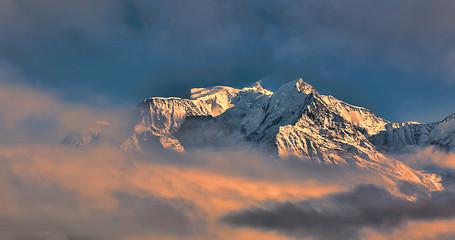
[257, 87]
[211, 91]
[289, 89]
[304, 87]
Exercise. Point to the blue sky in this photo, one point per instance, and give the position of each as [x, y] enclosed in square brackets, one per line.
[395, 57]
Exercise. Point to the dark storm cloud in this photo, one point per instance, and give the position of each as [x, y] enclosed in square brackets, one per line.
[155, 213]
[343, 215]
[133, 49]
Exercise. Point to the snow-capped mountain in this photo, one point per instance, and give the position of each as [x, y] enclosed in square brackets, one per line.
[163, 117]
[400, 136]
[293, 121]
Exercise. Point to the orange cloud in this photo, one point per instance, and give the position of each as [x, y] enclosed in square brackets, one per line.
[84, 181]
[416, 230]
[431, 155]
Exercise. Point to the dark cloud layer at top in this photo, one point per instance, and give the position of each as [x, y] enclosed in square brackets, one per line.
[343, 215]
[389, 56]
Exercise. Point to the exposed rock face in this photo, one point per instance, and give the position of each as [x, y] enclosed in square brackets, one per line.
[295, 120]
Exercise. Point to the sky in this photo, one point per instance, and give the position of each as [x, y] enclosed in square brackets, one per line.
[395, 58]
[68, 67]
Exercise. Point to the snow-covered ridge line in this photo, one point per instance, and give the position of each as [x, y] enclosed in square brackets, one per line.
[162, 117]
[295, 120]
[399, 137]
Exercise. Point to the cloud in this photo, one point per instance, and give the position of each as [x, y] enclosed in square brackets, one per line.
[429, 156]
[433, 160]
[34, 115]
[154, 213]
[343, 215]
[101, 193]
[439, 229]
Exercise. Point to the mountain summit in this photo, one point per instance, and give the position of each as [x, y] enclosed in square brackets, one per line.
[293, 121]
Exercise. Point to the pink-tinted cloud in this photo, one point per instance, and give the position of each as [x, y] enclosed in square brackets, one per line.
[429, 156]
